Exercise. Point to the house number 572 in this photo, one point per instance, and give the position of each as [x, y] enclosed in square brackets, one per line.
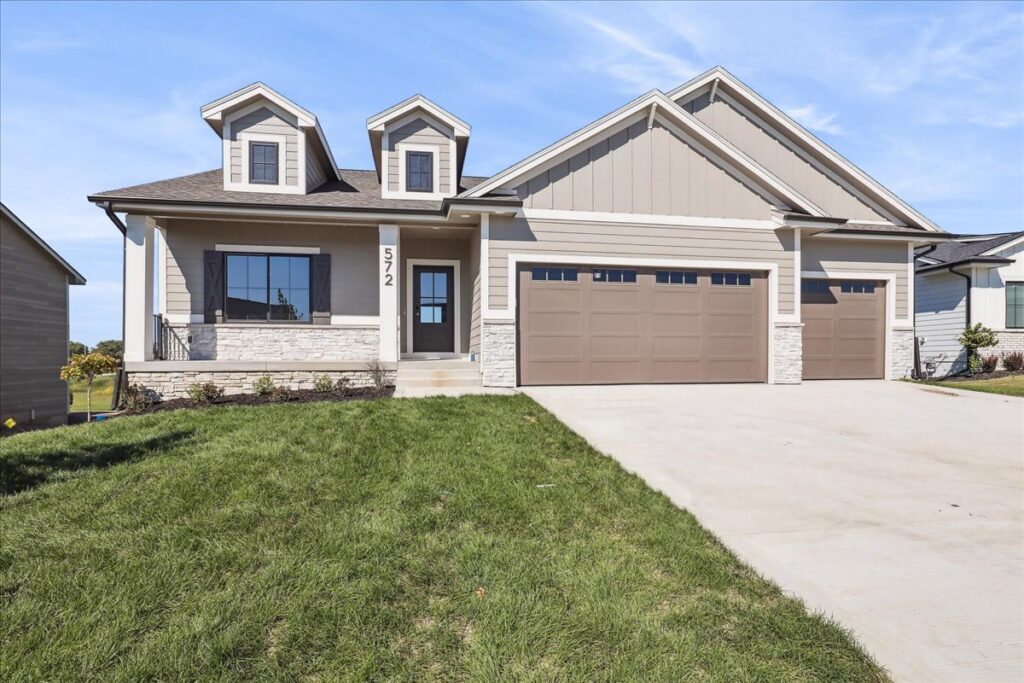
[389, 262]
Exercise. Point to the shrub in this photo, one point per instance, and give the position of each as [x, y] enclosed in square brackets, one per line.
[322, 384]
[281, 394]
[135, 398]
[1014, 361]
[973, 338]
[989, 363]
[206, 392]
[263, 386]
[378, 375]
[344, 385]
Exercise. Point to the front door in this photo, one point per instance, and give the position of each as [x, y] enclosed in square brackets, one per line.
[433, 321]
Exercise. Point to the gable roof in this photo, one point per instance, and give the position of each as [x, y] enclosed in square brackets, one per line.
[656, 103]
[375, 127]
[75, 277]
[718, 77]
[965, 249]
[213, 113]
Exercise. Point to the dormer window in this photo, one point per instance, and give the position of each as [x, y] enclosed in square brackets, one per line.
[419, 172]
[263, 167]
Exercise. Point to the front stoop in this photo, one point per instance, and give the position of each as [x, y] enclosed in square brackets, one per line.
[447, 377]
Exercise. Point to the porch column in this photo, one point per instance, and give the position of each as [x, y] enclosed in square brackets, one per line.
[389, 275]
[138, 294]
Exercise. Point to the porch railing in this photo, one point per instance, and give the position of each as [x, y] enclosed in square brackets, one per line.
[167, 345]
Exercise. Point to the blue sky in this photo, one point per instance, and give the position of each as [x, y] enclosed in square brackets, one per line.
[927, 98]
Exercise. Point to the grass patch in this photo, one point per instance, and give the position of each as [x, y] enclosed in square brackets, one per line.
[102, 394]
[460, 539]
[1012, 385]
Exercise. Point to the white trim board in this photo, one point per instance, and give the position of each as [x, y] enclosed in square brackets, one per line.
[245, 137]
[891, 321]
[435, 156]
[772, 269]
[266, 248]
[457, 288]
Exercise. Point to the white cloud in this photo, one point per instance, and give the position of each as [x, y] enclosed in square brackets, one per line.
[819, 122]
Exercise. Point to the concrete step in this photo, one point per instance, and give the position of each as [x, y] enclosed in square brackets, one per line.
[469, 374]
[425, 382]
[443, 363]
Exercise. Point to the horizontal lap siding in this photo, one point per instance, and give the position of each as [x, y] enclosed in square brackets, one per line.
[440, 249]
[867, 257]
[420, 132]
[315, 166]
[518, 235]
[767, 148]
[940, 303]
[643, 171]
[265, 121]
[353, 253]
[474, 276]
[33, 329]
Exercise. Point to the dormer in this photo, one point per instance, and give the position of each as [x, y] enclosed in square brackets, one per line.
[270, 144]
[418, 150]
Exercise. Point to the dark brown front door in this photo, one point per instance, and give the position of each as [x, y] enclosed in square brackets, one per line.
[433, 316]
[844, 329]
[617, 325]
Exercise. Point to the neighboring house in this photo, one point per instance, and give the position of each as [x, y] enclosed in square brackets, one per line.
[972, 279]
[695, 236]
[34, 283]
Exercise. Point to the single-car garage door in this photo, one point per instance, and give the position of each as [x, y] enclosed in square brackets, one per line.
[844, 329]
[618, 325]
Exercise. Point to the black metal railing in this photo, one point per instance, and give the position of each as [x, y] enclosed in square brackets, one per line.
[167, 345]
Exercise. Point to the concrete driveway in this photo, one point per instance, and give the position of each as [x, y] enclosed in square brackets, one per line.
[897, 510]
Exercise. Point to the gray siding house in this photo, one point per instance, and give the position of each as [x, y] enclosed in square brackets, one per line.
[699, 235]
[970, 279]
[34, 283]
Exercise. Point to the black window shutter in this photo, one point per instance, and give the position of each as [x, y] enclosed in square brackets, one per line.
[213, 286]
[320, 294]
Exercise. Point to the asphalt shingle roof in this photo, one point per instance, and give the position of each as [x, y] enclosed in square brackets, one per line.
[357, 189]
[958, 251]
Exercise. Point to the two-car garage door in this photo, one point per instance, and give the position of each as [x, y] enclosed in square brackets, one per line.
[612, 325]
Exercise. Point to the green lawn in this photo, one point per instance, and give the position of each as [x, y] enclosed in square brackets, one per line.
[435, 539]
[102, 394]
[1012, 385]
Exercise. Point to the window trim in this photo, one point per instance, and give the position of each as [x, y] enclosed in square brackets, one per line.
[277, 165]
[1006, 304]
[242, 138]
[400, 149]
[268, 321]
[411, 152]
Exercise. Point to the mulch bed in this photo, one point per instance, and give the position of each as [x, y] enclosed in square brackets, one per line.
[289, 396]
[980, 376]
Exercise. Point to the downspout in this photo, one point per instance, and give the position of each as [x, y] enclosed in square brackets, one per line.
[967, 310]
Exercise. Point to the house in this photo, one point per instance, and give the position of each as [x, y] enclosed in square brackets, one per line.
[970, 279]
[34, 283]
[699, 235]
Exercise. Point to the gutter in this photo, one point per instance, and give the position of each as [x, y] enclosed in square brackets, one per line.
[108, 208]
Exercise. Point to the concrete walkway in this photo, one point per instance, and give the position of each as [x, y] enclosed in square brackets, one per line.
[895, 509]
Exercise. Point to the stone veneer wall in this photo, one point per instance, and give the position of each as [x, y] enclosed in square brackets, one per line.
[498, 353]
[239, 342]
[1009, 340]
[902, 360]
[788, 359]
[169, 385]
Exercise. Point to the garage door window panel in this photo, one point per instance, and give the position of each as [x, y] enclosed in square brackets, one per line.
[615, 275]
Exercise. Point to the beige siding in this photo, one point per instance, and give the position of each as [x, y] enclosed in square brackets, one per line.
[766, 147]
[644, 171]
[33, 330]
[522, 236]
[831, 255]
[420, 132]
[353, 253]
[316, 167]
[474, 275]
[263, 120]
[440, 248]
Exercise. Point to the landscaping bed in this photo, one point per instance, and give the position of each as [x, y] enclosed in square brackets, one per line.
[472, 538]
[276, 396]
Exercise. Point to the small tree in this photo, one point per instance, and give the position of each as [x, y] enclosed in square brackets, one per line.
[110, 347]
[87, 367]
[77, 349]
[973, 338]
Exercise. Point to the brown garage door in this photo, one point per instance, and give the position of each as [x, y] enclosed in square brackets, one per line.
[844, 329]
[631, 325]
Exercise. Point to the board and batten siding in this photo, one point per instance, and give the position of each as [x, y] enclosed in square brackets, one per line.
[988, 305]
[421, 132]
[940, 303]
[767, 147]
[353, 253]
[884, 258]
[517, 235]
[644, 171]
[33, 330]
[263, 120]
